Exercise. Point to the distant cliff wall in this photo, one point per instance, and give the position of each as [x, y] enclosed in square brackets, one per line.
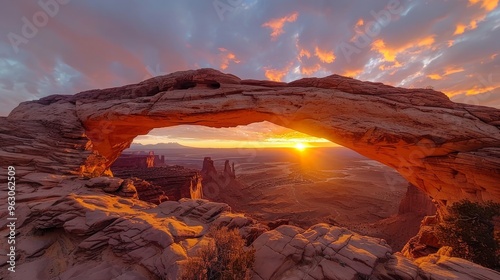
[415, 201]
[138, 161]
[176, 181]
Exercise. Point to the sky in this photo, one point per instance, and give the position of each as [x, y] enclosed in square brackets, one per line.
[67, 46]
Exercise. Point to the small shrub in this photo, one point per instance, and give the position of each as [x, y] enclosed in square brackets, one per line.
[225, 257]
[469, 230]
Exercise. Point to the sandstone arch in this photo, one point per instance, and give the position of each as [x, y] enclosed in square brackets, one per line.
[450, 151]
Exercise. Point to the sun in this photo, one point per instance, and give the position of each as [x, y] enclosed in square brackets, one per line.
[300, 146]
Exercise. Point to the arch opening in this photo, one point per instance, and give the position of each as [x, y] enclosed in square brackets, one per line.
[447, 150]
[273, 180]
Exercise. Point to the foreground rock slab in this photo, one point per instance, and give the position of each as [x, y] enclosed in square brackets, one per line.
[75, 232]
[329, 252]
[79, 233]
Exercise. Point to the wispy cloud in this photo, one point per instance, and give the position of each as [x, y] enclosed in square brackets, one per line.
[276, 24]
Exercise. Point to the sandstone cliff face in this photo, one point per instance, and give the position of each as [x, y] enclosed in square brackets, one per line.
[175, 181]
[450, 151]
[138, 161]
[415, 201]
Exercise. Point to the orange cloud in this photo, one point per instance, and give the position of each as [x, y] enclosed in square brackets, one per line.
[448, 71]
[390, 66]
[305, 53]
[435, 76]
[473, 24]
[452, 70]
[277, 24]
[309, 70]
[427, 41]
[352, 73]
[391, 53]
[360, 22]
[460, 29]
[488, 5]
[277, 75]
[473, 91]
[227, 57]
[325, 56]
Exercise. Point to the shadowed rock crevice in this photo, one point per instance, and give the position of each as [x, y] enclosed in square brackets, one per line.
[448, 150]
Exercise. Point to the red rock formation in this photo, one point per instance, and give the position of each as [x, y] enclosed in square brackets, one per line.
[425, 242]
[229, 170]
[448, 150]
[149, 192]
[175, 181]
[208, 169]
[138, 161]
[150, 160]
[216, 185]
[415, 201]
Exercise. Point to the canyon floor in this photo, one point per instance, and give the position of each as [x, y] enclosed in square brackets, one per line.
[303, 188]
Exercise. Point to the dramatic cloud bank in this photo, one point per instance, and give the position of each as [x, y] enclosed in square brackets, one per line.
[64, 46]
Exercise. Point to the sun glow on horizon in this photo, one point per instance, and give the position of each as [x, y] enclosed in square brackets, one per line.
[301, 146]
[257, 135]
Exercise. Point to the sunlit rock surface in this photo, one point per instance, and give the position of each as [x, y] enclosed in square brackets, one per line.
[329, 252]
[175, 181]
[72, 231]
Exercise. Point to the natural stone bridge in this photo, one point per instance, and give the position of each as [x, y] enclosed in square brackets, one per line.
[450, 151]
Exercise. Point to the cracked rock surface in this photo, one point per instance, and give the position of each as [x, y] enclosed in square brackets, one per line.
[329, 252]
[71, 231]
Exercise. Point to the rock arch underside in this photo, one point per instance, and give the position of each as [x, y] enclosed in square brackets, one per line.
[448, 150]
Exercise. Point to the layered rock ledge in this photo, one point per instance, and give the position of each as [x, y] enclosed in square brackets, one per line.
[73, 232]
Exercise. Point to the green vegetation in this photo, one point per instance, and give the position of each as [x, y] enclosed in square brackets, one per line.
[225, 257]
[470, 231]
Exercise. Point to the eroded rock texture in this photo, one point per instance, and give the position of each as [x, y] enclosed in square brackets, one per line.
[175, 181]
[415, 201]
[75, 232]
[72, 231]
[450, 151]
[329, 252]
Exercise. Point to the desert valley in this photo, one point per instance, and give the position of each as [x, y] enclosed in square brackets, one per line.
[300, 187]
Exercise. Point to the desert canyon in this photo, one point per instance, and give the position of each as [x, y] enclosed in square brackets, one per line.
[74, 214]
